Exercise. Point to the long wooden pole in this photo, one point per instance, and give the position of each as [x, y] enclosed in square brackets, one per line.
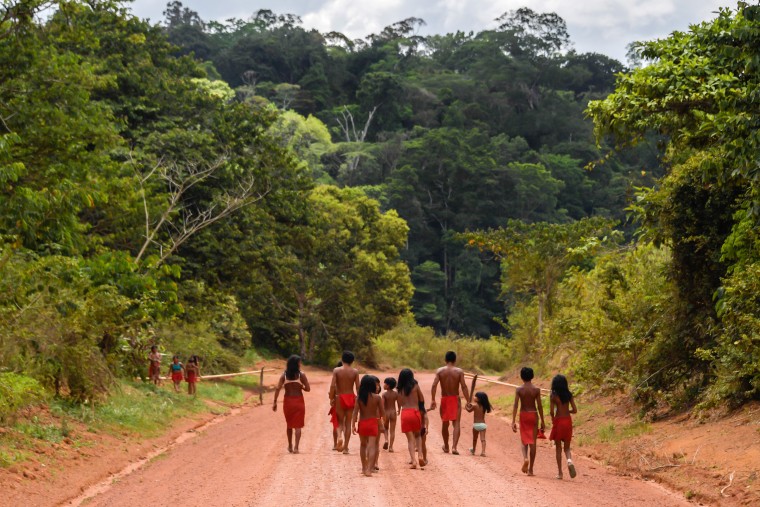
[492, 381]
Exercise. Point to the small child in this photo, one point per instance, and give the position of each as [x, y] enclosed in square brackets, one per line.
[561, 405]
[380, 425]
[424, 431]
[390, 404]
[154, 371]
[334, 419]
[481, 407]
[528, 397]
[193, 373]
[367, 409]
[175, 372]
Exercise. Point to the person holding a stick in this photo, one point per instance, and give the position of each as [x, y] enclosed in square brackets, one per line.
[294, 381]
[528, 397]
[451, 379]
[345, 383]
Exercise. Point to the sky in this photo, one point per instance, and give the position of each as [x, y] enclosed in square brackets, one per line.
[595, 26]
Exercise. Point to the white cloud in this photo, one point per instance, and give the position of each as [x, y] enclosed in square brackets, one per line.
[601, 26]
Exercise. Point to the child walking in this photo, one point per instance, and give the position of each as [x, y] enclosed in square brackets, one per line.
[528, 397]
[367, 410]
[193, 372]
[154, 371]
[561, 405]
[410, 396]
[390, 404]
[481, 407]
[176, 370]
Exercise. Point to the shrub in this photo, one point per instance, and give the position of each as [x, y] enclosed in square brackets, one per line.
[16, 393]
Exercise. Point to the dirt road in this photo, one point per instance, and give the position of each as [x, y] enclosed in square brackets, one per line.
[243, 461]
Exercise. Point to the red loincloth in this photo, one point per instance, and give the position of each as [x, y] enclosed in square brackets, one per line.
[368, 427]
[562, 429]
[177, 376]
[191, 378]
[528, 424]
[411, 420]
[449, 408]
[347, 401]
[333, 417]
[295, 411]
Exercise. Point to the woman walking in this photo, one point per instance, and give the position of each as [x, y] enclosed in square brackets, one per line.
[294, 381]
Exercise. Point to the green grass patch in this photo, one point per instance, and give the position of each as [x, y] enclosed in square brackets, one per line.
[223, 392]
[609, 433]
[243, 381]
[40, 431]
[10, 455]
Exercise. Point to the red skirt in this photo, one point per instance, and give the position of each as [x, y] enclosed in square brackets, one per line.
[449, 408]
[295, 411]
[528, 426]
[333, 417]
[410, 420]
[562, 429]
[191, 377]
[347, 401]
[154, 370]
[176, 376]
[368, 427]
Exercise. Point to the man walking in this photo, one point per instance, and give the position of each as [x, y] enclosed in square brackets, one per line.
[451, 379]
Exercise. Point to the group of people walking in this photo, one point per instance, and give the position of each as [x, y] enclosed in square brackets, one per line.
[177, 372]
[361, 405]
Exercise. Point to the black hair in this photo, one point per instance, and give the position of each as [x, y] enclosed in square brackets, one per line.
[526, 373]
[483, 401]
[347, 357]
[367, 386]
[560, 388]
[175, 357]
[451, 356]
[391, 382]
[406, 381]
[340, 363]
[378, 387]
[153, 347]
[292, 372]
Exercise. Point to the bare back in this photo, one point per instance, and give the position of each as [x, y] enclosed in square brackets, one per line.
[372, 409]
[345, 378]
[562, 409]
[411, 400]
[389, 400]
[451, 379]
[529, 396]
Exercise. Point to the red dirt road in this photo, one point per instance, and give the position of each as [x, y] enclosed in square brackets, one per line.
[243, 461]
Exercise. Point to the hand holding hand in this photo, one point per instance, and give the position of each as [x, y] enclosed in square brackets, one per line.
[433, 405]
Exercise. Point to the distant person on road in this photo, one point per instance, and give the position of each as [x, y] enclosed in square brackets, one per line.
[345, 382]
[451, 379]
[294, 381]
[528, 397]
[334, 418]
[561, 405]
[154, 370]
[480, 408]
[193, 374]
[364, 421]
[391, 409]
[410, 396]
[176, 372]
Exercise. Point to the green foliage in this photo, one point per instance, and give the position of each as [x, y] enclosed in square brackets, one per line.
[408, 345]
[18, 392]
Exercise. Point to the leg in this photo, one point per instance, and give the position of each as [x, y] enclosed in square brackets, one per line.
[298, 440]
[371, 454]
[457, 427]
[290, 440]
[410, 443]
[524, 449]
[423, 443]
[558, 450]
[335, 439]
[483, 443]
[420, 444]
[386, 422]
[393, 433]
[474, 441]
[341, 421]
[532, 458]
[445, 433]
[377, 453]
[570, 464]
[346, 431]
[363, 454]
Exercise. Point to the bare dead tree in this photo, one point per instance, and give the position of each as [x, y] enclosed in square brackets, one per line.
[348, 126]
[179, 221]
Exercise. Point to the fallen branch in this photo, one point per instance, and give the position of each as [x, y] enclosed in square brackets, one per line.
[662, 467]
[730, 481]
[694, 458]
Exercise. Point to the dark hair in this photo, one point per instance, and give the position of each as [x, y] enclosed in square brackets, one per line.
[153, 347]
[560, 388]
[526, 373]
[292, 372]
[406, 381]
[175, 357]
[451, 356]
[378, 387]
[483, 401]
[367, 386]
[347, 357]
[391, 382]
[340, 363]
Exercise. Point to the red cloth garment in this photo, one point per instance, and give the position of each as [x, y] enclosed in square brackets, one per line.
[154, 369]
[347, 401]
[411, 420]
[528, 425]
[562, 429]
[177, 376]
[295, 411]
[449, 408]
[191, 377]
[368, 427]
[333, 417]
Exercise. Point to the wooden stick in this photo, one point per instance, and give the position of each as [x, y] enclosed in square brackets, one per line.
[261, 384]
[472, 388]
[730, 481]
[224, 375]
[492, 381]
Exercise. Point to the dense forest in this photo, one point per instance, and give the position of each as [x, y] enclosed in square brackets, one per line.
[210, 187]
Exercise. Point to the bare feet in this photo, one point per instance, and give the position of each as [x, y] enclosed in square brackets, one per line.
[525, 467]
[422, 462]
[295, 451]
[339, 447]
[345, 451]
[483, 454]
[335, 448]
[559, 476]
[455, 452]
[445, 449]
[413, 467]
[472, 451]
[390, 449]
[385, 446]
[530, 473]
